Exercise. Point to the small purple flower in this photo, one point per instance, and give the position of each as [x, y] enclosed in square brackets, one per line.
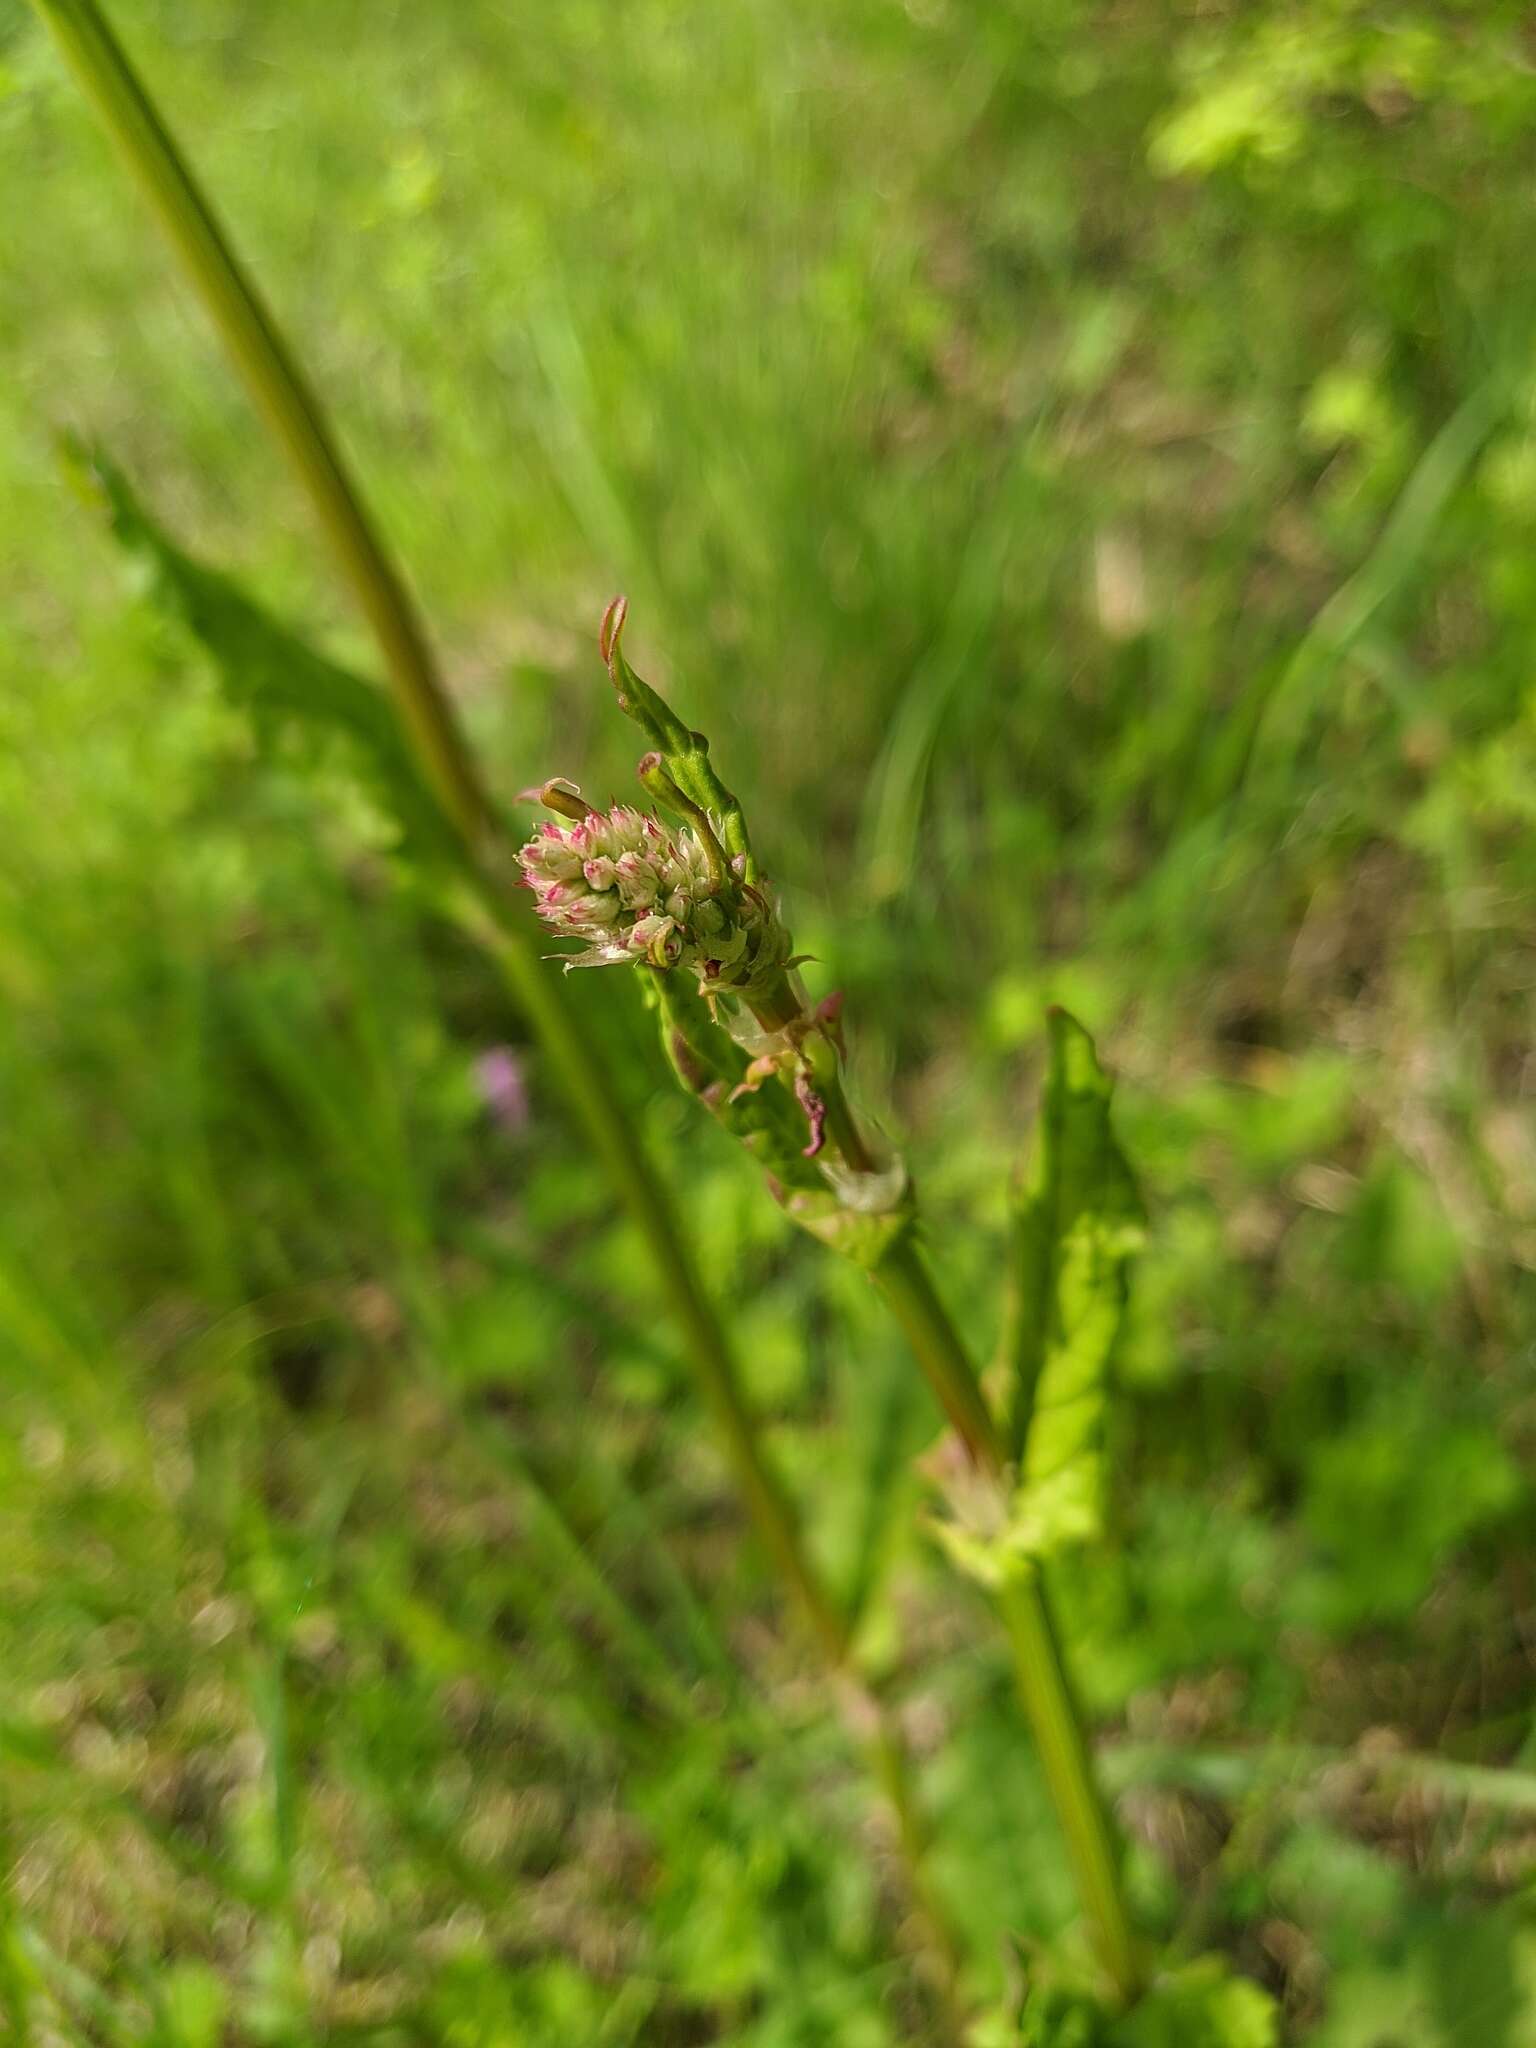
[503, 1083]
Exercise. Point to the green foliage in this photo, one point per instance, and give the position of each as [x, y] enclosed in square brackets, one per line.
[1032, 397]
[1389, 1498]
[1079, 1223]
[1253, 94]
[268, 670]
[1200, 2005]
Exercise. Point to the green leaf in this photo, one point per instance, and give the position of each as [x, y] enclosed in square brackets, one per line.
[1078, 1225]
[684, 752]
[1201, 2006]
[1054, 2018]
[265, 668]
[194, 2001]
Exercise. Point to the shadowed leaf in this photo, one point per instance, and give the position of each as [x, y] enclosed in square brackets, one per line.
[266, 668]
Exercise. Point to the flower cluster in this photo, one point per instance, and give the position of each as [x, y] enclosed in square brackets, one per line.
[631, 890]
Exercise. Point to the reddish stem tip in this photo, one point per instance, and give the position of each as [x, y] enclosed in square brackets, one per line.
[613, 625]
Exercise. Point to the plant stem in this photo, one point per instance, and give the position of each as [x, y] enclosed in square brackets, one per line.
[842, 1124]
[298, 425]
[588, 1084]
[543, 998]
[892, 1766]
[1057, 1724]
[904, 1280]
[1044, 1686]
[282, 395]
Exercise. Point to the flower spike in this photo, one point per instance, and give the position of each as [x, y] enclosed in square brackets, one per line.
[633, 892]
[632, 889]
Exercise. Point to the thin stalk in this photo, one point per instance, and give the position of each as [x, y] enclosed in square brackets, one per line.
[1045, 1689]
[298, 426]
[1057, 1724]
[913, 1300]
[297, 423]
[842, 1124]
[282, 395]
[1023, 1603]
[869, 1719]
[892, 1766]
[589, 1085]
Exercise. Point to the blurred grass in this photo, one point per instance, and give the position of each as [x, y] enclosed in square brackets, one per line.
[1078, 463]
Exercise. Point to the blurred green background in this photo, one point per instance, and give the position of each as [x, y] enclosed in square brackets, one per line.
[1078, 463]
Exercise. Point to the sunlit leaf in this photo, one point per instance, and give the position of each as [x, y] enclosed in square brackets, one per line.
[1200, 2005]
[1078, 1226]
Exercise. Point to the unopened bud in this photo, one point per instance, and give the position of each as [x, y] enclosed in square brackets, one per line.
[609, 631]
[654, 776]
[558, 795]
[652, 772]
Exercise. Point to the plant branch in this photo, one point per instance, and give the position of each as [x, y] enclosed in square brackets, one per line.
[1054, 1716]
[297, 423]
[1057, 1724]
[1045, 1689]
[904, 1280]
[588, 1084]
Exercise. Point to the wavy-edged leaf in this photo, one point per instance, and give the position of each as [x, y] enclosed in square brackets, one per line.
[1078, 1225]
[265, 667]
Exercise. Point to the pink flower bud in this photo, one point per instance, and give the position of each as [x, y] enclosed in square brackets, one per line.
[626, 888]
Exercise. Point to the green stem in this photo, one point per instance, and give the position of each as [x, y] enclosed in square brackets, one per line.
[544, 1000]
[904, 1280]
[283, 397]
[892, 1766]
[298, 425]
[1044, 1686]
[1057, 1725]
[543, 997]
[588, 1084]
[842, 1125]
